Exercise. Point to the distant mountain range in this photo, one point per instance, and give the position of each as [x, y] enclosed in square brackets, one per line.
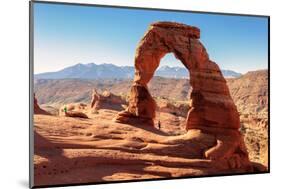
[110, 71]
[249, 92]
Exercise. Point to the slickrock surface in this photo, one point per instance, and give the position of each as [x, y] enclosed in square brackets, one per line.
[75, 150]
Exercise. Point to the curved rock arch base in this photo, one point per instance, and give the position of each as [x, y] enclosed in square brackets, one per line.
[212, 109]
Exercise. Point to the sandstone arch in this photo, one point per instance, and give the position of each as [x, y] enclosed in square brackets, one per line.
[212, 109]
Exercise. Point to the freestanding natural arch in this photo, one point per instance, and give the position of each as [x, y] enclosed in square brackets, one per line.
[212, 109]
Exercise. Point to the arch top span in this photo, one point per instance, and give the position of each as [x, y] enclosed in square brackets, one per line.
[187, 30]
[169, 37]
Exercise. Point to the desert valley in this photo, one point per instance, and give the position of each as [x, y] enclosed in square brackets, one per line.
[68, 147]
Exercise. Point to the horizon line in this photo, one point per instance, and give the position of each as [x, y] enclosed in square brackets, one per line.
[160, 66]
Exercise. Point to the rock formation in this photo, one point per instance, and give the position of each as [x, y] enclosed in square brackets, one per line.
[76, 114]
[74, 110]
[106, 100]
[77, 107]
[212, 108]
[37, 109]
[178, 109]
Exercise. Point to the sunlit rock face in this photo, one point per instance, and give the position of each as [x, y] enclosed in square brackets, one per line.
[37, 109]
[212, 108]
[107, 100]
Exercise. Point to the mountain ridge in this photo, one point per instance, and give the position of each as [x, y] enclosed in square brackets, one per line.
[111, 71]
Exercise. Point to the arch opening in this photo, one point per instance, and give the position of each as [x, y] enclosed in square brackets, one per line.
[171, 67]
[170, 89]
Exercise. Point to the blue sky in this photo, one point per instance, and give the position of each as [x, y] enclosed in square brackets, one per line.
[65, 35]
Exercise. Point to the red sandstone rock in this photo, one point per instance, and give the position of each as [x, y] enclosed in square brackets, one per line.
[37, 109]
[77, 107]
[107, 100]
[75, 114]
[212, 108]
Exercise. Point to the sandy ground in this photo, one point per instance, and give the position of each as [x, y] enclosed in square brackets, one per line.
[76, 150]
